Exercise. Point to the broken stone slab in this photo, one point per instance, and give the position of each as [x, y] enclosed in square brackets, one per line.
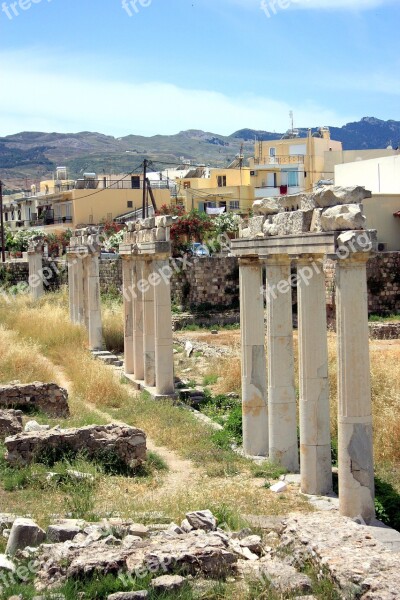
[168, 583]
[357, 563]
[256, 225]
[62, 532]
[282, 576]
[253, 543]
[329, 196]
[344, 217]
[139, 530]
[24, 532]
[186, 526]
[293, 223]
[49, 398]
[267, 206]
[127, 443]
[202, 519]
[189, 349]
[6, 564]
[10, 422]
[140, 595]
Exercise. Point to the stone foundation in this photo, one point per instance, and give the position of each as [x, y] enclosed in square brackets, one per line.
[45, 397]
[127, 443]
[384, 331]
[10, 422]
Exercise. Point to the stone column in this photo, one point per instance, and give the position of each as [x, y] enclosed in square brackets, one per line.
[356, 466]
[163, 329]
[71, 262]
[127, 293]
[315, 438]
[85, 289]
[254, 366]
[282, 408]
[149, 327]
[138, 327]
[94, 302]
[78, 291]
[36, 286]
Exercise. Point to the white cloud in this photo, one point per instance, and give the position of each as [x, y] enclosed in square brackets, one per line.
[48, 97]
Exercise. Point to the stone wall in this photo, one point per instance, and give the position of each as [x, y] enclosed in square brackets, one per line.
[14, 273]
[208, 283]
[45, 397]
[214, 282]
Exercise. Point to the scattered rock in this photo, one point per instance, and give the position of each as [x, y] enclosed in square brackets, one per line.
[279, 487]
[140, 595]
[186, 526]
[168, 583]
[6, 564]
[283, 577]
[202, 519]
[10, 422]
[189, 349]
[62, 532]
[138, 530]
[24, 532]
[253, 543]
[35, 426]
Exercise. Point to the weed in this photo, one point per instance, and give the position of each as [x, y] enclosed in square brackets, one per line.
[210, 379]
[268, 470]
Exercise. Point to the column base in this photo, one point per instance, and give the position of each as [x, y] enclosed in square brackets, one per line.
[140, 386]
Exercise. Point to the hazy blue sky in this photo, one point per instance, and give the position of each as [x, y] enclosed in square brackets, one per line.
[161, 66]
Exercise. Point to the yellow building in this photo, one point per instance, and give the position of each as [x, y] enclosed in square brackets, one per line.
[91, 200]
[217, 188]
[292, 164]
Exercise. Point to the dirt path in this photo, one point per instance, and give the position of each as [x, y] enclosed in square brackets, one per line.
[180, 470]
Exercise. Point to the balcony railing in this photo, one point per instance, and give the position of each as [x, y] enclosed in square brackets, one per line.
[294, 159]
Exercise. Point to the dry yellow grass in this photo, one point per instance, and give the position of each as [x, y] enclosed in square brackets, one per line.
[21, 360]
[113, 326]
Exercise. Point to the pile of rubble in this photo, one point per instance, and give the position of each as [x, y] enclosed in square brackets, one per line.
[359, 566]
[326, 210]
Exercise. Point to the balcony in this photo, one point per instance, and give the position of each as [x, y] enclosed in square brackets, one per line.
[295, 159]
[274, 192]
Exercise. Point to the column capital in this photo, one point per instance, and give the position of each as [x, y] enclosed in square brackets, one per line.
[307, 258]
[277, 260]
[353, 260]
[249, 261]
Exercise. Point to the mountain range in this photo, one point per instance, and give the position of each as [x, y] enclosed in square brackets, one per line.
[30, 156]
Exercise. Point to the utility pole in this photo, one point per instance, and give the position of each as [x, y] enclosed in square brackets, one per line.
[145, 163]
[3, 255]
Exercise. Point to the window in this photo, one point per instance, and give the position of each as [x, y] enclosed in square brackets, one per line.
[186, 185]
[135, 182]
[211, 205]
[234, 205]
[293, 178]
[252, 173]
[221, 180]
[130, 204]
[272, 151]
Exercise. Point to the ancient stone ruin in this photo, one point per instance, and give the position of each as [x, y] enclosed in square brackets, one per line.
[84, 283]
[48, 398]
[146, 250]
[300, 232]
[35, 260]
[10, 422]
[128, 444]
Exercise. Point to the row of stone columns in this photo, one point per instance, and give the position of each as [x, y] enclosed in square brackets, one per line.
[148, 322]
[270, 416]
[84, 294]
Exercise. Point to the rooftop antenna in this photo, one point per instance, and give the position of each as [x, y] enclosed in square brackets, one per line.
[292, 119]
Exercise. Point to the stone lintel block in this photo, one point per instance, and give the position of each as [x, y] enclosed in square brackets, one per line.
[294, 222]
[343, 217]
[268, 206]
[332, 196]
